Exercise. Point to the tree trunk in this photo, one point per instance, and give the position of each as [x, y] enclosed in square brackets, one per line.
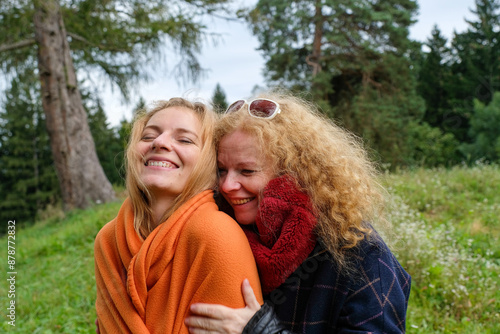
[315, 58]
[81, 177]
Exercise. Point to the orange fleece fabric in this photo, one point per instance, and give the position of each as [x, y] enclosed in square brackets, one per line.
[146, 286]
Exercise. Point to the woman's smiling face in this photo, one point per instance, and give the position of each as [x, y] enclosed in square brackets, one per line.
[243, 174]
[170, 147]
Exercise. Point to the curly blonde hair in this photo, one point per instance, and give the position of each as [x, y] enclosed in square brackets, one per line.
[328, 163]
[204, 175]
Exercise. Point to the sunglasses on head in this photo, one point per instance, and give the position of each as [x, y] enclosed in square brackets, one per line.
[260, 108]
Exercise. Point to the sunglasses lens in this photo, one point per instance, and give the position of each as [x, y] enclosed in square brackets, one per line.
[263, 108]
[235, 106]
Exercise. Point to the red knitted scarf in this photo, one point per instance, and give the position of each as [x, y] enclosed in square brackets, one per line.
[284, 236]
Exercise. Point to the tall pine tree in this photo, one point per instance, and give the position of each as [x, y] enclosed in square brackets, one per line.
[113, 38]
[354, 60]
[434, 80]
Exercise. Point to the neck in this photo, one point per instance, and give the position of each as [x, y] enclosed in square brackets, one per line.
[159, 206]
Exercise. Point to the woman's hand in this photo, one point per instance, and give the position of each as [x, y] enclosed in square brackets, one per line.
[212, 318]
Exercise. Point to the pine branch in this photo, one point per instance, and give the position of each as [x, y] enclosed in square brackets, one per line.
[79, 38]
[99, 46]
[17, 45]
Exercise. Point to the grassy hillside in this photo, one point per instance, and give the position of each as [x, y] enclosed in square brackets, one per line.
[447, 228]
[55, 290]
[445, 233]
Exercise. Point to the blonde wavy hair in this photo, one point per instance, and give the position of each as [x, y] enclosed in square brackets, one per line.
[328, 163]
[204, 175]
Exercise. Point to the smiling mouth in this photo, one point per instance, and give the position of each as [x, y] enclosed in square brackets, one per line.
[241, 201]
[164, 164]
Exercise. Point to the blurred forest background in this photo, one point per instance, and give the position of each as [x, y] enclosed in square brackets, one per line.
[414, 104]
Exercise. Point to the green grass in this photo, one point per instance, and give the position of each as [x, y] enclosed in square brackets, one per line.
[446, 228]
[445, 233]
[55, 288]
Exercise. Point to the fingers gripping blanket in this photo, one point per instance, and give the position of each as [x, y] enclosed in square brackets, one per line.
[146, 286]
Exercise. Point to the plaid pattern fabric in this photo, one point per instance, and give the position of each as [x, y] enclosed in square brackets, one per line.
[318, 299]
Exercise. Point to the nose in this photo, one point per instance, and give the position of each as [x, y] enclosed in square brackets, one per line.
[161, 142]
[229, 182]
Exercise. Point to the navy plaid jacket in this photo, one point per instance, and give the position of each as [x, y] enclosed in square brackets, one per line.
[316, 298]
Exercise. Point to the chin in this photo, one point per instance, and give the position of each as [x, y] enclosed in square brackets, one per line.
[245, 220]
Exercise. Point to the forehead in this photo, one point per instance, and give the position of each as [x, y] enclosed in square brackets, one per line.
[176, 117]
[240, 147]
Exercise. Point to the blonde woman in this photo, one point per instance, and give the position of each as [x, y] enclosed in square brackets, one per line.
[169, 246]
[305, 191]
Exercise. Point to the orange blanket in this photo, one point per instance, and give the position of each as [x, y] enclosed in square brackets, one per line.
[146, 286]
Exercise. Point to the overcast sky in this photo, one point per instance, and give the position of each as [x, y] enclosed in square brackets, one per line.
[237, 66]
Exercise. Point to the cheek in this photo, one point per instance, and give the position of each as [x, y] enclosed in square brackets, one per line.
[137, 153]
[141, 149]
[191, 158]
[262, 183]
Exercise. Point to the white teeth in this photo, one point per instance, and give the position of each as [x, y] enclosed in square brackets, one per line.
[164, 164]
[241, 201]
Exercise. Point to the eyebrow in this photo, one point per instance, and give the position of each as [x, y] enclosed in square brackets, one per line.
[246, 164]
[176, 130]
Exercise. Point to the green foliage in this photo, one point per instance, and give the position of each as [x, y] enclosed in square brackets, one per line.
[15, 19]
[27, 175]
[430, 146]
[484, 131]
[478, 50]
[219, 99]
[386, 120]
[124, 131]
[435, 81]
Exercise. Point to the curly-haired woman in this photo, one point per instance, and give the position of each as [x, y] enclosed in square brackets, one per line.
[306, 194]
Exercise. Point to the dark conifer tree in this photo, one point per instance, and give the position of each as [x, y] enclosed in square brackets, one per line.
[27, 175]
[476, 67]
[434, 80]
[219, 101]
